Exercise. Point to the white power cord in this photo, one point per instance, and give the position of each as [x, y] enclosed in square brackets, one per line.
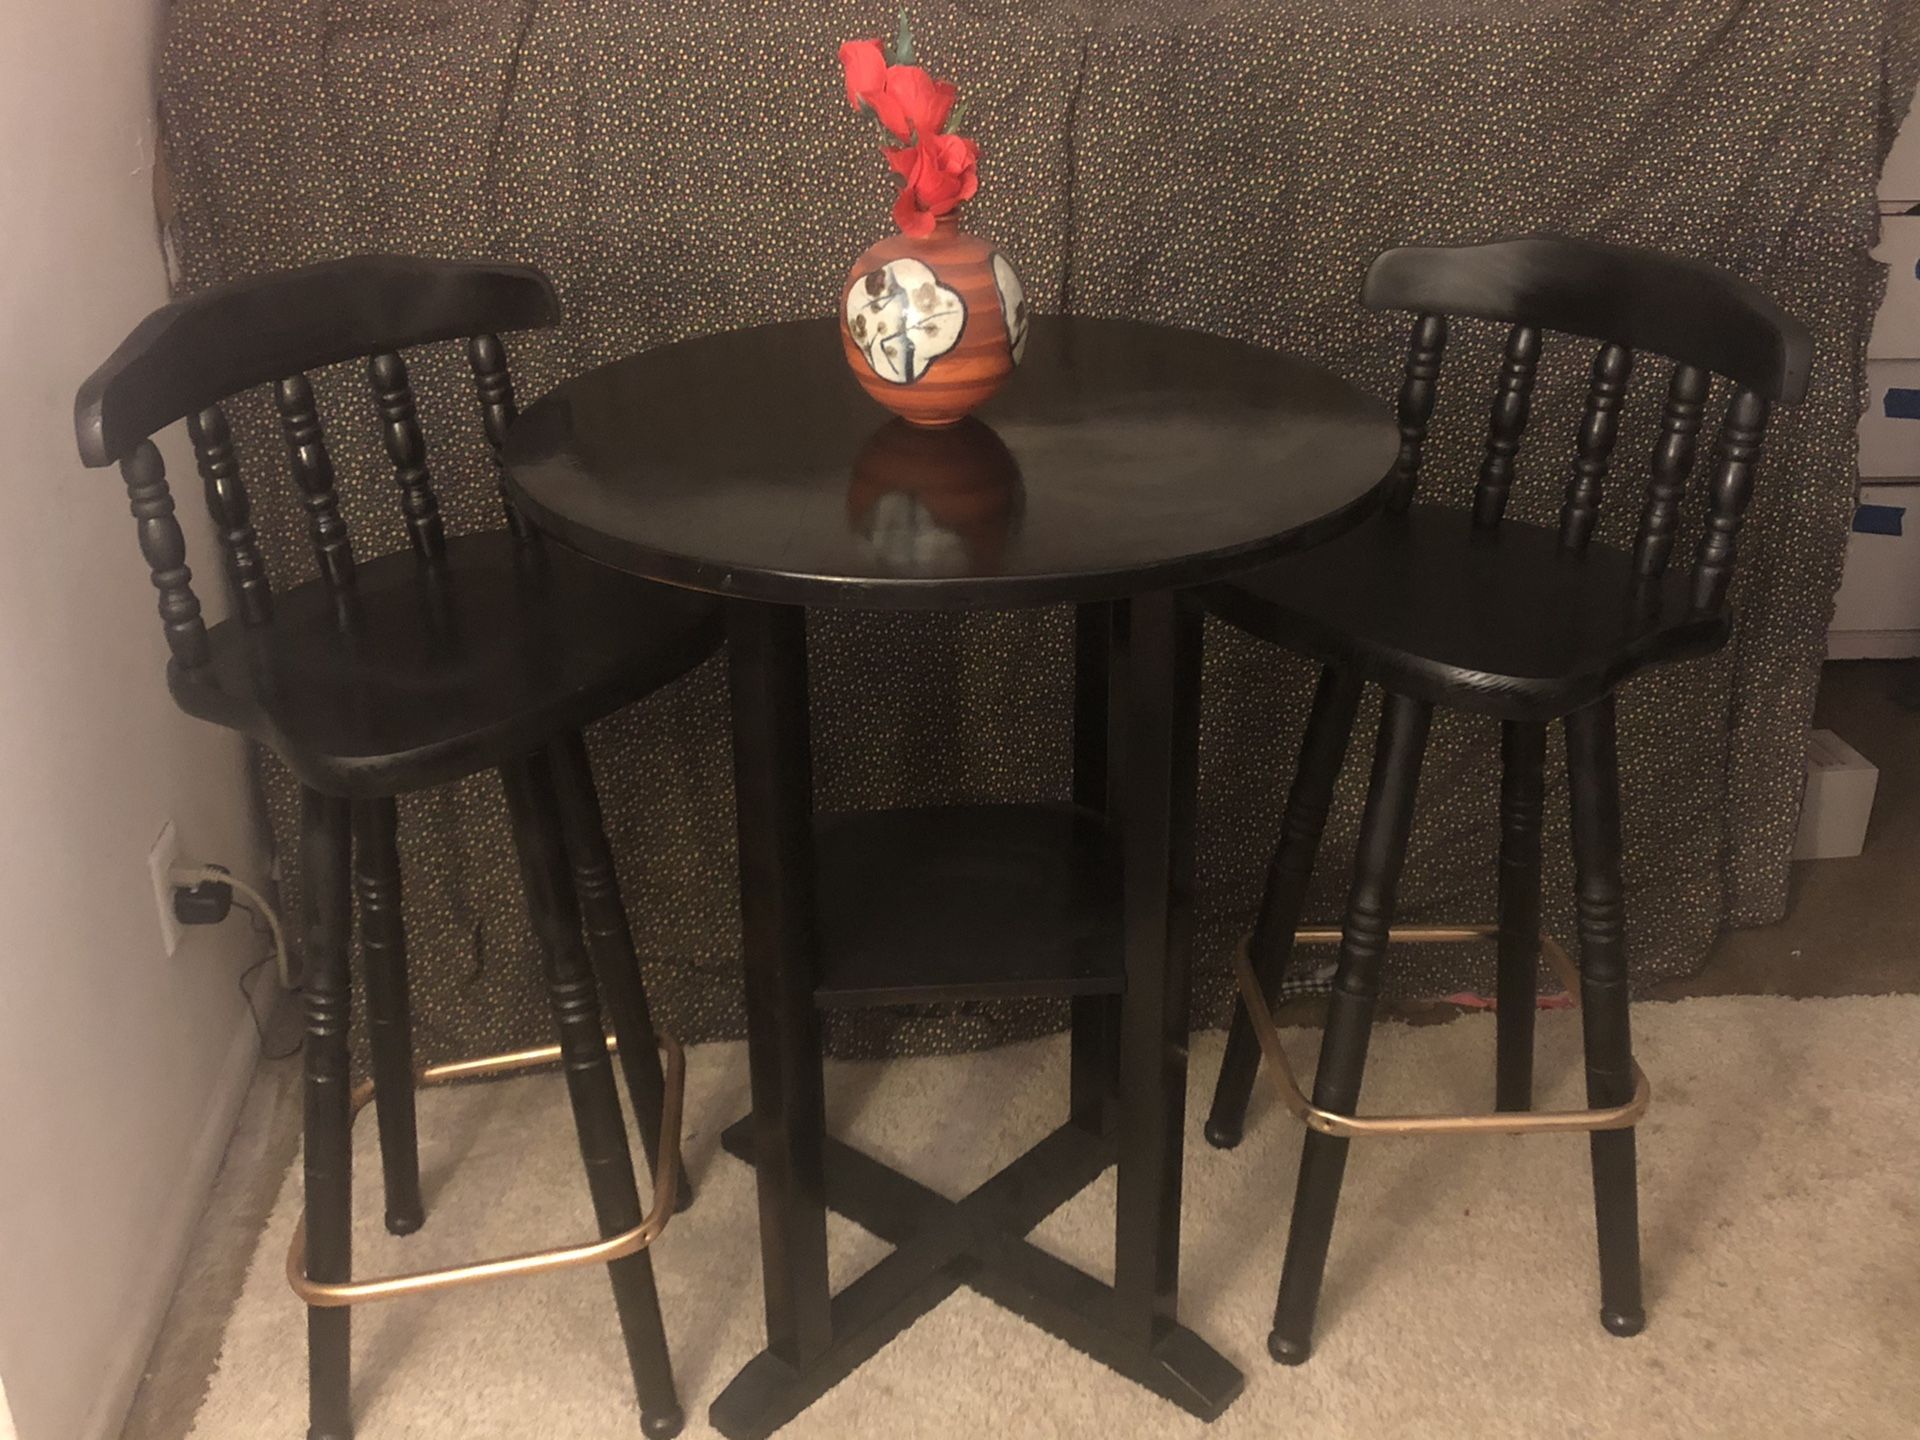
[191, 875]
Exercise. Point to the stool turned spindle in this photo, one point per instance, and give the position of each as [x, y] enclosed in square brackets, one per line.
[1522, 624]
[407, 447]
[313, 473]
[233, 513]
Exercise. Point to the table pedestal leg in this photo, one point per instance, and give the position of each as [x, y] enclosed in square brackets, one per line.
[773, 783]
[1137, 758]
[1156, 659]
[1096, 1018]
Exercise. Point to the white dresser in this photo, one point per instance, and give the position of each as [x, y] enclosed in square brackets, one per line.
[1877, 612]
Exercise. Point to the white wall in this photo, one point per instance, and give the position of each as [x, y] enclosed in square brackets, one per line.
[120, 1067]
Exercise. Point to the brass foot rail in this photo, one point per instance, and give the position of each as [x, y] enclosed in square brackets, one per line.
[666, 1190]
[1520, 1122]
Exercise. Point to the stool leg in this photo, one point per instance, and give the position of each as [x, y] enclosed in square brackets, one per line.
[596, 1104]
[383, 963]
[610, 940]
[1594, 779]
[1343, 1053]
[1523, 755]
[326, 851]
[1329, 725]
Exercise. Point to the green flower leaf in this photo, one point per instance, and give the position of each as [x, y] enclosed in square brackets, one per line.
[902, 50]
[952, 127]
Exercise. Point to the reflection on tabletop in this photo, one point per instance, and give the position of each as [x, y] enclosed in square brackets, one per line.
[935, 501]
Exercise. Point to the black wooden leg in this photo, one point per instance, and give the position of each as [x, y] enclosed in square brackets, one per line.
[773, 794]
[1523, 753]
[1594, 778]
[383, 963]
[596, 1104]
[1329, 725]
[1095, 1046]
[1343, 1052]
[326, 851]
[1159, 678]
[610, 940]
[1096, 1018]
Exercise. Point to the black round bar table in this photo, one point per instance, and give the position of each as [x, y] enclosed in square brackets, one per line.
[1121, 466]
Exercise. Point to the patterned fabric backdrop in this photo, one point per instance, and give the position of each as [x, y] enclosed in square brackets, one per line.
[683, 168]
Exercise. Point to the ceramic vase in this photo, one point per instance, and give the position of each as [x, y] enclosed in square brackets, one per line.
[933, 326]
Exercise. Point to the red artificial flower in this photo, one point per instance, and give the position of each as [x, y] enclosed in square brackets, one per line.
[906, 99]
[936, 170]
[935, 175]
[865, 63]
[926, 101]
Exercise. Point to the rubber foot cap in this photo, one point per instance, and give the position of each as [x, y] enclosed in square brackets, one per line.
[1623, 1322]
[404, 1223]
[1286, 1351]
[1221, 1135]
[662, 1424]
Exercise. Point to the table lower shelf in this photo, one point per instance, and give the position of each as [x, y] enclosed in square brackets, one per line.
[960, 902]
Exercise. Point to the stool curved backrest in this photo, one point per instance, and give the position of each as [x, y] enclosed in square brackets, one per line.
[188, 357]
[1706, 321]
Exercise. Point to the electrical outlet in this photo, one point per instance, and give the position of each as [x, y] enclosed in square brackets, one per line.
[161, 862]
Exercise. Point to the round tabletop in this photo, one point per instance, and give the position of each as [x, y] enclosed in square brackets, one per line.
[1119, 458]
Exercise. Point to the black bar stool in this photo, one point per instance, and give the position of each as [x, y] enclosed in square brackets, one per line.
[1524, 624]
[397, 673]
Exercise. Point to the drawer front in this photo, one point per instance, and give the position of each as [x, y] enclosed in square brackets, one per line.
[1879, 599]
[1890, 428]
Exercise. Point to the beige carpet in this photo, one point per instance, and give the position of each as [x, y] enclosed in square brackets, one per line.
[1781, 1215]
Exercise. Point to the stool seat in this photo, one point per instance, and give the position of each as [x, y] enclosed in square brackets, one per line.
[1505, 622]
[425, 672]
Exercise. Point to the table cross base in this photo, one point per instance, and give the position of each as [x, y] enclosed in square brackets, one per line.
[980, 1242]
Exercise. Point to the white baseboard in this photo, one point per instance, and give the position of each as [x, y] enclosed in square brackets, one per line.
[150, 1293]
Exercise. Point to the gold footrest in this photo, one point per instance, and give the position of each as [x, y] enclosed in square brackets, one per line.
[1527, 1122]
[666, 1191]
